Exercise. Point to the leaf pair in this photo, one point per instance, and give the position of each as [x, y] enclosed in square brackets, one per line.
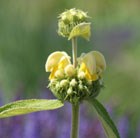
[33, 105]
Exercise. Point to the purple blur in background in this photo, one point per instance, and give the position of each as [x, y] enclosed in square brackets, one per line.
[57, 123]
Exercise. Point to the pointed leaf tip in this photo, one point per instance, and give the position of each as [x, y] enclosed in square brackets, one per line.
[28, 106]
[107, 123]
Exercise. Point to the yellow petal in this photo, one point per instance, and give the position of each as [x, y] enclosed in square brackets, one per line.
[100, 60]
[63, 62]
[88, 75]
[90, 63]
[82, 29]
[54, 59]
[52, 75]
[94, 77]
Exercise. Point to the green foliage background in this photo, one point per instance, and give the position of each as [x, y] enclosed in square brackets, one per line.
[28, 34]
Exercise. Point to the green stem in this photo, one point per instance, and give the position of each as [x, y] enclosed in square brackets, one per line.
[74, 51]
[75, 107]
[75, 121]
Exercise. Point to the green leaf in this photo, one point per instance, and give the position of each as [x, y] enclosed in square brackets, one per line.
[82, 29]
[27, 106]
[107, 123]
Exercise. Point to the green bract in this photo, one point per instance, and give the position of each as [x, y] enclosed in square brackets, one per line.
[74, 89]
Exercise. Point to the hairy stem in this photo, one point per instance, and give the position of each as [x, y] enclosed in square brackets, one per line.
[75, 121]
[74, 51]
[75, 107]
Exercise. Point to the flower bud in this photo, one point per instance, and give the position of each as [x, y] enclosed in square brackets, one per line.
[80, 86]
[64, 83]
[70, 70]
[59, 73]
[81, 75]
[69, 92]
[57, 85]
[73, 83]
[69, 19]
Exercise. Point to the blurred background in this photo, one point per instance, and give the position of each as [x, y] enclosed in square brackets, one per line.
[28, 34]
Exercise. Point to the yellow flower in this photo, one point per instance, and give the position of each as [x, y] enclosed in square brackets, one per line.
[70, 19]
[100, 60]
[56, 63]
[92, 64]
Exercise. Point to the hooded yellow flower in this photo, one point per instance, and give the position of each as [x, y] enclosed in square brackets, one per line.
[72, 23]
[68, 82]
[92, 64]
[56, 63]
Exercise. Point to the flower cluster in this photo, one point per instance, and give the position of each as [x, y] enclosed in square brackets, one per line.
[70, 19]
[75, 84]
[82, 79]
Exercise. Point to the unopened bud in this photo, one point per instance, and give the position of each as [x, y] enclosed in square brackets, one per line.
[57, 86]
[81, 87]
[81, 75]
[64, 83]
[69, 19]
[59, 73]
[69, 92]
[70, 70]
[73, 83]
